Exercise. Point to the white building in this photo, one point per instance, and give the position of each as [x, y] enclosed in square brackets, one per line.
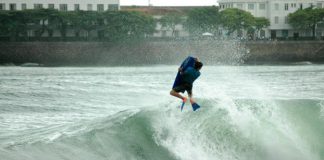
[62, 5]
[158, 12]
[277, 12]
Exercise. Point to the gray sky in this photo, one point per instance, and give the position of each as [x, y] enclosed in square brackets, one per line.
[170, 2]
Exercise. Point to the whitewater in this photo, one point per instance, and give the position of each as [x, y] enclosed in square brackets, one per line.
[126, 113]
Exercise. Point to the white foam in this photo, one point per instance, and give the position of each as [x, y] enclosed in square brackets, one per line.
[322, 109]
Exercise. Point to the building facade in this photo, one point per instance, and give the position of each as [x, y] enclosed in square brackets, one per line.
[66, 5]
[158, 12]
[276, 11]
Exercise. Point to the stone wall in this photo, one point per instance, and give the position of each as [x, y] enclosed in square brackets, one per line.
[285, 51]
[158, 52]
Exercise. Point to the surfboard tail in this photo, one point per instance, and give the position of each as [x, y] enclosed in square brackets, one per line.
[195, 106]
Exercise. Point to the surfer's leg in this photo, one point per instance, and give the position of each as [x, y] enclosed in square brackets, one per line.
[176, 94]
[189, 91]
[191, 99]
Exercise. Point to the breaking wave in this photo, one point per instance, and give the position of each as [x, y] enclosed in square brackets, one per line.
[227, 129]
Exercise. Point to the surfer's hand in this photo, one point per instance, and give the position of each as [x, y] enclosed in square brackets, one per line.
[180, 69]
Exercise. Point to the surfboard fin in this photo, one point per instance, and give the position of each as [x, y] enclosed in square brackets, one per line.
[195, 106]
[182, 105]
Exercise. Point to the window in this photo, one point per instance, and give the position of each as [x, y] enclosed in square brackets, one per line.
[89, 7]
[311, 5]
[63, 7]
[300, 6]
[276, 5]
[164, 33]
[76, 7]
[229, 5]
[51, 6]
[293, 5]
[176, 33]
[262, 6]
[276, 20]
[2, 6]
[113, 7]
[319, 5]
[262, 34]
[100, 7]
[284, 33]
[12, 6]
[239, 6]
[308, 33]
[38, 6]
[251, 6]
[23, 6]
[286, 20]
[286, 6]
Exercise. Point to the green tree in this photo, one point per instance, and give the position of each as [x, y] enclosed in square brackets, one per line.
[43, 20]
[170, 21]
[306, 19]
[13, 24]
[234, 19]
[203, 20]
[64, 20]
[76, 23]
[122, 25]
[260, 23]
[53, 21]
[118, 25]
[86, 20]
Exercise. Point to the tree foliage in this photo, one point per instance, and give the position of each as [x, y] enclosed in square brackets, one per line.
[306, 19]
[112, 25]
[129, 25]
[203, 20]
[234, 19]
[13, 24]
[261, 22]
[170, 21]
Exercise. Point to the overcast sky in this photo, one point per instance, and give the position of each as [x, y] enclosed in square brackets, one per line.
[169, 2]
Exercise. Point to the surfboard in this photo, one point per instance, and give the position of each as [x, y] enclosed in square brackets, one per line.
[188, 62]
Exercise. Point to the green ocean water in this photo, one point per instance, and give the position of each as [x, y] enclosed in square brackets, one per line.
[126, 113]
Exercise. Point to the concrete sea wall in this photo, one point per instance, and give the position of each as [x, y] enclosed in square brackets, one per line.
[159, 52]
[285, 51]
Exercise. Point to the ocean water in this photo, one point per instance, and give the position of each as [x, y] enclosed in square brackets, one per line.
[126, 113]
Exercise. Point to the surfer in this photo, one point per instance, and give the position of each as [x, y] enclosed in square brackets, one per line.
[188, 76]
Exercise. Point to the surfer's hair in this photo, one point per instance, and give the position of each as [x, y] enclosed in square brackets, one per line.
[198, 65]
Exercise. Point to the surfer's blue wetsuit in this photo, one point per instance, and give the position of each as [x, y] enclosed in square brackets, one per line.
[188, 77]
